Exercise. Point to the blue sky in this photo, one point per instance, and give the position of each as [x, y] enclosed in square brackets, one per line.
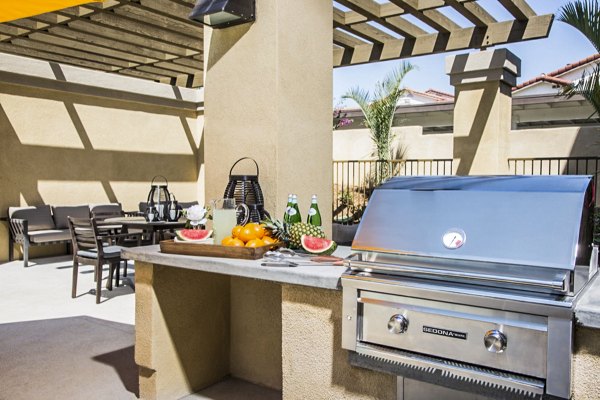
[564, 45]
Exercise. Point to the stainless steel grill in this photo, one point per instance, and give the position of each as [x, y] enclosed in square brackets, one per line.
[465, 286]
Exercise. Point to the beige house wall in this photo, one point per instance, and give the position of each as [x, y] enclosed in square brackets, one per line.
[425, 131]
[574, 141]
[71, 136]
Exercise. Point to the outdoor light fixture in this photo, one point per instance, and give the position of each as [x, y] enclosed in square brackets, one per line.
[223, 13]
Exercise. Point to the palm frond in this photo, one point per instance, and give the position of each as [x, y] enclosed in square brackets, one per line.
[588, 86]
[379, 110]
[583, 15]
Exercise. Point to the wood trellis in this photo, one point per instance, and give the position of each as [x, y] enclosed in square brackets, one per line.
[153, 39]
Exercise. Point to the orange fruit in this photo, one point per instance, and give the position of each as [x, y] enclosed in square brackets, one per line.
[235, 243]
[247, 234]
[268, 240]
[226, 240]
[236, 230]
[260, 230]
[255, 243]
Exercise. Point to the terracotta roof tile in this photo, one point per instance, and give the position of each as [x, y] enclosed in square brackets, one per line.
[439, 93]
[548, 77]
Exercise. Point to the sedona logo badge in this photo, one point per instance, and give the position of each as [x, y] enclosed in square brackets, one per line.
[445, 332]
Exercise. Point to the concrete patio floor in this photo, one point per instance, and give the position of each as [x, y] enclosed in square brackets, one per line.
[43, 291]
[56, 347]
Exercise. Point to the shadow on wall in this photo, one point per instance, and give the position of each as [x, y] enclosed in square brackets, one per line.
[90, 149]
[465, 148]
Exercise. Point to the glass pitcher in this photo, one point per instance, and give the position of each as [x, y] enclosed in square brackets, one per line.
[225, 217]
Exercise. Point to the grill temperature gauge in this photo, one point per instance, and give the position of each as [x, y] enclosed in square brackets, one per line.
[454, 238]
[495, 341]
[397, 324]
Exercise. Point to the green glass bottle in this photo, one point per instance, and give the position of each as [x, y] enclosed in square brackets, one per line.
[294, 213]
[286, 215]
[314, 215]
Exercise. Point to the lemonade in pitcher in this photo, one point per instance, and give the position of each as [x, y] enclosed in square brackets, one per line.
[225, 217]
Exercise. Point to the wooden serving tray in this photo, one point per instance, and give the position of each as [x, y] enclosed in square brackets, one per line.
[215, 250]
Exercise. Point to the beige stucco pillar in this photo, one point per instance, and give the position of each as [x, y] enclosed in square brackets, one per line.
[268, 95]
[482, 109]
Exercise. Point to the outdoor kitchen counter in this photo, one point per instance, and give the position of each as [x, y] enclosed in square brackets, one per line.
[202, 319]
[587, 311]
[320, 276]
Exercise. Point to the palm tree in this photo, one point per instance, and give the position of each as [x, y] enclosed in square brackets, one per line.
[584, 15]
[379, 109]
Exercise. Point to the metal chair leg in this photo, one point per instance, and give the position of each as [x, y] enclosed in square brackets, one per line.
[11, 248]
[25, 248]
[111, 268]
[118, 267]
[98, 282]
[74, 280]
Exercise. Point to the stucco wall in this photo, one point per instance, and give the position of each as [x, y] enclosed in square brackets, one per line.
[355, 144]
[66, 143]
[586, 364]
[314, 364]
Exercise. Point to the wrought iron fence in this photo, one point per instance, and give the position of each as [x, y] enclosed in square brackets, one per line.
[557, 166]
[554, 166]
[354, 181]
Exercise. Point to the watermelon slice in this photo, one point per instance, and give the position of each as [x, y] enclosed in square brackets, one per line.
[317, 245]
[193, 235]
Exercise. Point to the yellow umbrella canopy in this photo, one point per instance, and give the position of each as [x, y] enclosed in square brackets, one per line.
[11, 10]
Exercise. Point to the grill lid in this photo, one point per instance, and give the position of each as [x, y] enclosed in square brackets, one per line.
[542, 221]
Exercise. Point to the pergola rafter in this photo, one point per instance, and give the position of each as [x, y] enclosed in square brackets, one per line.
[154, 39]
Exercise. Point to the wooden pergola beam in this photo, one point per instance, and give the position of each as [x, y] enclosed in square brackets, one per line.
[465, 38]
[155, 39]
[518, 8]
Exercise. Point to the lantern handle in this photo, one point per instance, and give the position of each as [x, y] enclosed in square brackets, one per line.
[159, 176]
[244, 158]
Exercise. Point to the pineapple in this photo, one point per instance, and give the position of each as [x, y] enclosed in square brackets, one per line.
[291, 233]
[276, 228]
[300, 228]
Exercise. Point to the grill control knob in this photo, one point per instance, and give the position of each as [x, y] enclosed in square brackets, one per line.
[495, 341]
[397, 324]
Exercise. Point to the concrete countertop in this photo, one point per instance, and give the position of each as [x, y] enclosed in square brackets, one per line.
[320, 276]
[587, 309]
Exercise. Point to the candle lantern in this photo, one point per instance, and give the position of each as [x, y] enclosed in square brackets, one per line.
[159, 198]
[173, 209]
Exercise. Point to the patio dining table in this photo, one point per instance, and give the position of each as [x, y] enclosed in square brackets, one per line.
[157, 228]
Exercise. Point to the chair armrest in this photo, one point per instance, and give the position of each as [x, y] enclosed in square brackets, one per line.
[19, 229]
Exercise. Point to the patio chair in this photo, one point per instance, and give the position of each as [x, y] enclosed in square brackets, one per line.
[89, 249]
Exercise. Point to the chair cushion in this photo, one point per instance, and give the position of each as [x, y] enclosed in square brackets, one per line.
[60, 214]
[50, 235]
[109, 252]
[38, 218]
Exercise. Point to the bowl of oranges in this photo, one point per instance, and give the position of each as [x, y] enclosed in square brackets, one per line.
[250, 235]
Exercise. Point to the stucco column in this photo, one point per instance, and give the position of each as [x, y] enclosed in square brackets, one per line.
[268, 95]
[482, 110]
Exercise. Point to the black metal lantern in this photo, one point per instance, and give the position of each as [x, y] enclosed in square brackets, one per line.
[173, 210]
[159, 198]
[223, 13]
